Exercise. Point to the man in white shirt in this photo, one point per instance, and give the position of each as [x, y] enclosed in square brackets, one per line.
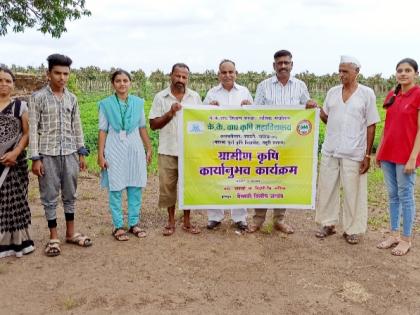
[280, 90]
[350, 113]
[228, 93]
[162, 116]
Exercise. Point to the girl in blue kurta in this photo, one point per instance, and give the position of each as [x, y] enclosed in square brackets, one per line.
[121, 155]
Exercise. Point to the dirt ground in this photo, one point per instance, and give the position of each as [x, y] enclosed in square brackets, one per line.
[216, 272]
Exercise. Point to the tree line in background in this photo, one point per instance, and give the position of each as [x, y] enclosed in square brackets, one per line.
[94, 79]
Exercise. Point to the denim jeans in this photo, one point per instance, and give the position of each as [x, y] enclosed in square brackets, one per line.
[401, 196]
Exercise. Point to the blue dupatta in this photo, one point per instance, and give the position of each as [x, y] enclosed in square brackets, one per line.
[112, 111]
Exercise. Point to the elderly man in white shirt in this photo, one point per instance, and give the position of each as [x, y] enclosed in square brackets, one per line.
[228, 93]
[281, 90]
[350, 113]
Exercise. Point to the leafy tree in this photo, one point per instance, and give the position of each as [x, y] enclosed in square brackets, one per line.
[49, 16]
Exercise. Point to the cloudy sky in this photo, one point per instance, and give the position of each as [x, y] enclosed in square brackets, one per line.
[155, 34]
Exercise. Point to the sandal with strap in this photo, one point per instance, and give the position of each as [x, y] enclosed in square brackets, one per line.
[389, 242]
[79, 239]
[402, 248]
[326, 231]
[120, 235]
[137, 231]
[352, 239]
[52, 248]
[168, 230]
[191, 229]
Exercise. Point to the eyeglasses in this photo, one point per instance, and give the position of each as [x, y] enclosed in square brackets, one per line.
[286, 63]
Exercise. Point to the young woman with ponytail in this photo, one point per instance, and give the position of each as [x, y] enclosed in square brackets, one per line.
[398, 154]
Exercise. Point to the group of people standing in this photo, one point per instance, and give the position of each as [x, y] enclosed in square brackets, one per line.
[53, 130]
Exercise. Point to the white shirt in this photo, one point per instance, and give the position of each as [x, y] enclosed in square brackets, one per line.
[168, 135]
[235, 96]
[272, 92]
[346, 133]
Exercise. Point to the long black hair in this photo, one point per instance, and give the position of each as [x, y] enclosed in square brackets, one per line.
[413, 65]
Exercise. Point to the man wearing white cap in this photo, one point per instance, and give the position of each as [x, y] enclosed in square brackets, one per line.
[350, 114]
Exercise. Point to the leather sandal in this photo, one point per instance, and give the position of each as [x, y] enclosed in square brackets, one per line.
[137, 231]
[352, 239]
[120, 235]
[326, 231]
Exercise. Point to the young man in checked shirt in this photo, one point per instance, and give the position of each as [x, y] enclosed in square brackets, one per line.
[57, 150]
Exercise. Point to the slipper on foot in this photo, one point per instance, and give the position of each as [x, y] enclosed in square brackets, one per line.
[402, 248]
[326, 231]
[191, 229]
[168, 230]
[137, 231]
[79, 239]
[52, 248]
[352, 239]
[120, 235]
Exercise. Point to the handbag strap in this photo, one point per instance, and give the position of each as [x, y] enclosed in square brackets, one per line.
[18, 104]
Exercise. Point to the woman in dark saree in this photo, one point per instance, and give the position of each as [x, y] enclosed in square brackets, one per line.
[15, 215]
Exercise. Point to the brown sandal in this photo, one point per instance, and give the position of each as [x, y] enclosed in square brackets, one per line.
[168, 230]
[191, 229]
[352, 239]
[326, 231]
[120, 235]
[137, 231]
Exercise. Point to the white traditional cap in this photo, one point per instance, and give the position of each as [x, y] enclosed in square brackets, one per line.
[350, 59]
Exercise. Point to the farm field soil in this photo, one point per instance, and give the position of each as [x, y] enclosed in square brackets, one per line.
[216, 272]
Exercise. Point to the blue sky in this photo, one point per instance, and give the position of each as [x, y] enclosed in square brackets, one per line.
[155, 34]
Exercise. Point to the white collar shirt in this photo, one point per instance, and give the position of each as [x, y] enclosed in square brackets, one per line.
[234, 97]
[272, 92]
[168, 135]
[346, 131]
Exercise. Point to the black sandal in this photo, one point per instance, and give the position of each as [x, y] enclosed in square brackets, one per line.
[137, 231]
[352, 239]
[122, 236]
[326, 231]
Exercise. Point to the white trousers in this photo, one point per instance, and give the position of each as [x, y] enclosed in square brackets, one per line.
[336, 172]
[238, 215]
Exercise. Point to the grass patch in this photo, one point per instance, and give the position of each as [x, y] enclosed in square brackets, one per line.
[379, 221]
[70, 303]
[267, 228]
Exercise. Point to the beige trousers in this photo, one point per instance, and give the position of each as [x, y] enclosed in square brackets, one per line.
[259, 216]
[333, 173]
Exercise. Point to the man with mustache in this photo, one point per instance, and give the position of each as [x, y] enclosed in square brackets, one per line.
[229, 93]
[351, 115]
[162, 117]
[280, 90]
